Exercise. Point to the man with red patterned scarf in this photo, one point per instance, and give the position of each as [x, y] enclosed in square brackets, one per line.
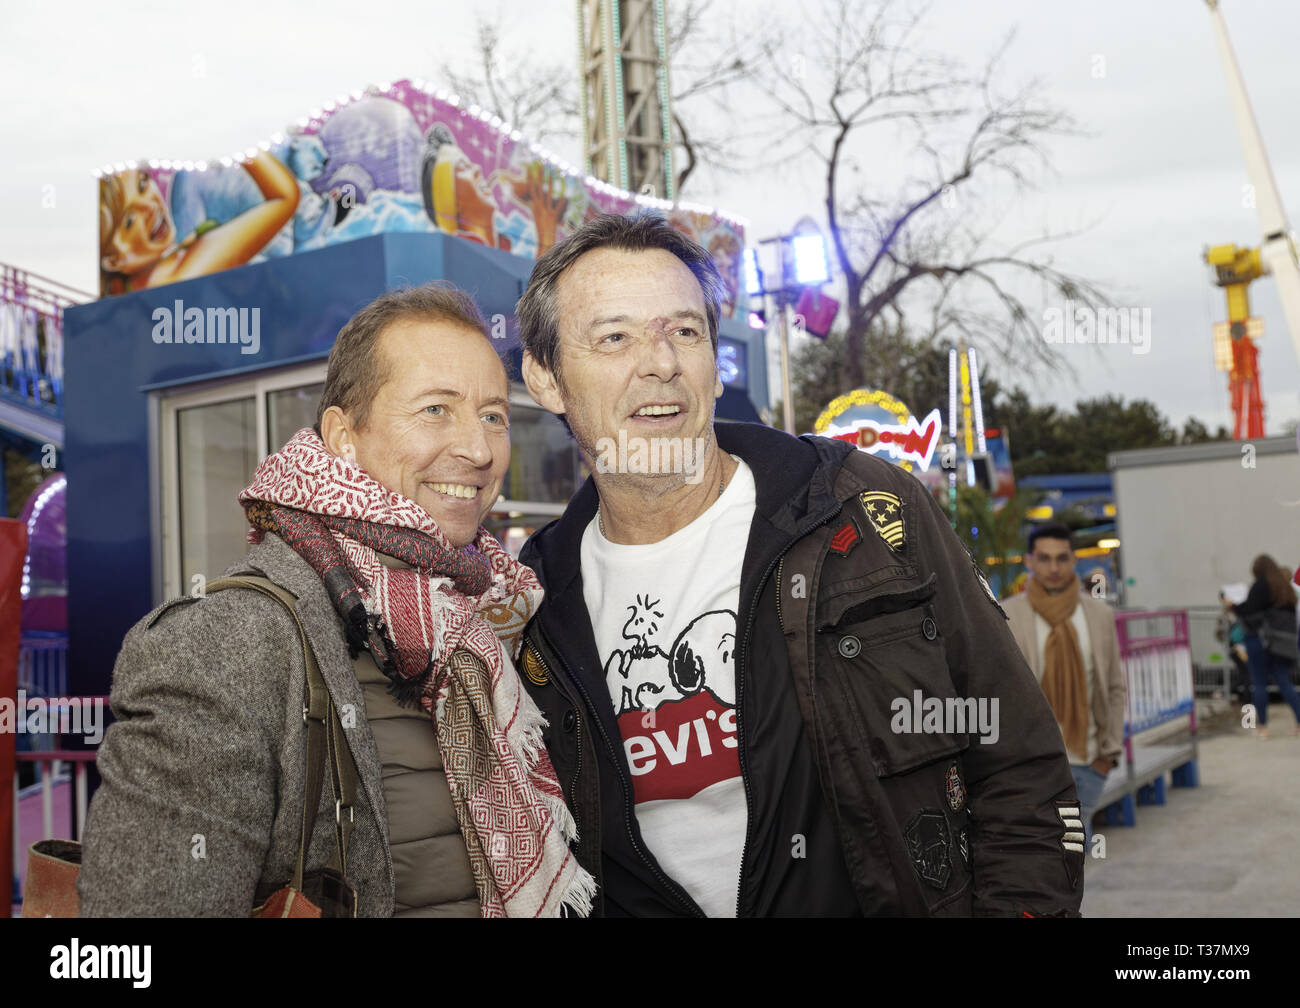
[372, 520]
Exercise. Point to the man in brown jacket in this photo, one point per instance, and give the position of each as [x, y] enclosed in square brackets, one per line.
[1069, 640]
[775, 683]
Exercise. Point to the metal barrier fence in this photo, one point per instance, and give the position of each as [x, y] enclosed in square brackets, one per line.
[1156, 654]
[1213, 670]
[43, 676]
[50, 772]
[1154, 648]
[43, 664]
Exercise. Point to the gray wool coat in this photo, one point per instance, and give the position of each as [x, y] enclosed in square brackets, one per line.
[203, 768]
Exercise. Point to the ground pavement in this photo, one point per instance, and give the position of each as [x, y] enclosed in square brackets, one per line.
[1225, 849]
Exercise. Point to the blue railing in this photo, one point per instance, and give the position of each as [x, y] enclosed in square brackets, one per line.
[31, 339]
[43, 664]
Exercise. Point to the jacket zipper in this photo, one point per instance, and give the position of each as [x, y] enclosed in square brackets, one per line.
[740, 689]
[628, 805]
[779, 581]
[577, 771]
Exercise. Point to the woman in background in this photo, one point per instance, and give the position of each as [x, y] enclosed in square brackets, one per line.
[1269, 614]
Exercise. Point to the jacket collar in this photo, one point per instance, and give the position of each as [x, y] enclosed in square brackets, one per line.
[794, 480]
[793, 477]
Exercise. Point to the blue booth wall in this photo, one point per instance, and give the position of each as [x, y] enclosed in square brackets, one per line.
[112, 363]
[111, 360]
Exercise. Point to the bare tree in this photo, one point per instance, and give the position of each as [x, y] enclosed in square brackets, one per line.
[538, 99]
[919, 241]
[706, 58]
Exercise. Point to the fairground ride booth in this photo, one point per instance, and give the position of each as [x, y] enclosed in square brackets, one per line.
[175, 391]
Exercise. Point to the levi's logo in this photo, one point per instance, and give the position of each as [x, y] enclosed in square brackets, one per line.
[681, 748]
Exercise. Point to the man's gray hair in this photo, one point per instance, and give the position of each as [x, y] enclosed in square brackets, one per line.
[357, 372]
[537, 311]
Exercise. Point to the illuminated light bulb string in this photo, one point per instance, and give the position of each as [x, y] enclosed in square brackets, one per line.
[389, 90]
[41, 501]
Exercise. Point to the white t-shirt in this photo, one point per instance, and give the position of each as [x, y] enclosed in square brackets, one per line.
[1089, 665]
[664, 617]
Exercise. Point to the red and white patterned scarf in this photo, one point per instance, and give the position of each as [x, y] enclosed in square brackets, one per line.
[456, 648]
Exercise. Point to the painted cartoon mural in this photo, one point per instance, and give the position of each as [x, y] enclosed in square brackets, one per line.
[142, 245]
[397, 158]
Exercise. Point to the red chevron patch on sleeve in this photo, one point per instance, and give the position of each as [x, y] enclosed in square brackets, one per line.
[846, 538]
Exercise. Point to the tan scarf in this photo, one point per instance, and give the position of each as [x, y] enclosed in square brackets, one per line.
[1065, 681]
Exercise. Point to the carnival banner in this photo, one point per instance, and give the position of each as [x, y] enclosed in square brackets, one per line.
[395, 158]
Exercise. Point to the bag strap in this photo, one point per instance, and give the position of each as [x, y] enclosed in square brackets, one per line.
[343, 777]
[319, 713]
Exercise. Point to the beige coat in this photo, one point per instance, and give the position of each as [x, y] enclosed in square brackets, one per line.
[1107, 687]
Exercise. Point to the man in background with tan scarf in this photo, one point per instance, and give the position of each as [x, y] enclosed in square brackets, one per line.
[1069, 640]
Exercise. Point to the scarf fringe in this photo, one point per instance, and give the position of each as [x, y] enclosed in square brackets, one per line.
[581, 892]
[528, 745]
[528, 748]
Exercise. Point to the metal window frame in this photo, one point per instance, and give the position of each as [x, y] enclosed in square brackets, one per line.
[165, 534]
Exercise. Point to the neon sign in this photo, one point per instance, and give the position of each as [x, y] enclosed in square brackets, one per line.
[877, 423]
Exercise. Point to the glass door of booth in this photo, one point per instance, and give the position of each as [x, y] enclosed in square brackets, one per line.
[211, 440]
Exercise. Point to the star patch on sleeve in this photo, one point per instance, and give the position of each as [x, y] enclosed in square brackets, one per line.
[886, 513]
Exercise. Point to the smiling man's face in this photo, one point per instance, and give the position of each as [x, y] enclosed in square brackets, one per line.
[634, 351]
[438, 429]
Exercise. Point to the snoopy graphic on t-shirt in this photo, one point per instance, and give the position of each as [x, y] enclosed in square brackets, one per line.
[702, 657]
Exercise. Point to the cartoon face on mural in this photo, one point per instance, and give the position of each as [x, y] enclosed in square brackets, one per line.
[135, 224]
[139, 243]
[400, 160]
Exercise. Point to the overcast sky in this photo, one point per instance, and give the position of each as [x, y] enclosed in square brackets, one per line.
[1159, 173]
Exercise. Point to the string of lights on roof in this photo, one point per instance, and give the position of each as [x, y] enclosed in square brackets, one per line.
[318, 115]
[37, 508]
